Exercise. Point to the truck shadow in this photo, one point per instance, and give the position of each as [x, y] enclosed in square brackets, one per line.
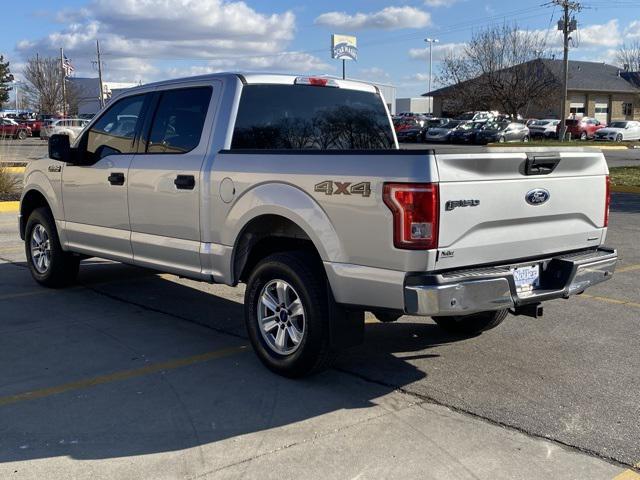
[625, 203]
[130, 312]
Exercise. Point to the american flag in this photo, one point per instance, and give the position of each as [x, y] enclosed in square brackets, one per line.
[67, 66]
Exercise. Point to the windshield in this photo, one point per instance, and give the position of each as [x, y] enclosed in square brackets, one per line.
[618, 124]
[541, 122]
[495, 125]
[310, 117]
[451, 124]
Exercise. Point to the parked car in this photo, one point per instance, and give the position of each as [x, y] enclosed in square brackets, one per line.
[620, 131]
[466, 132]
[65, 126]
[502, 132]
[545, 128]
[411, 133]
[9, 128]
[583, 128]
[441, 134]
[476, 116]
[317, 236]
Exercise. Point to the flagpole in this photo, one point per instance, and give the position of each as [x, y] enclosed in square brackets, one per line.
[64, 80]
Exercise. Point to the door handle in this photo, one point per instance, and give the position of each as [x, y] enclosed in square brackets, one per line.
[185, 182]
[116, 178]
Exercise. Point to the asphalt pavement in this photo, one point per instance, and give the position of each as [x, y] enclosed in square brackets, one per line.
[133, 374]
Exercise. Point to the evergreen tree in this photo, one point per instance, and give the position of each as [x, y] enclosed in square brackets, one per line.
[6, 78]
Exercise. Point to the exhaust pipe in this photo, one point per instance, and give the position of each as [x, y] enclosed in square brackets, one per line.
[533, 310]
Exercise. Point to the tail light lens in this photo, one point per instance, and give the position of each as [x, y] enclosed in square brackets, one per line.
[607, 201]
[415, 208]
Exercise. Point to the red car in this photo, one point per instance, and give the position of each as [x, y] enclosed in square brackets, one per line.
[583, 128]
[9, 128]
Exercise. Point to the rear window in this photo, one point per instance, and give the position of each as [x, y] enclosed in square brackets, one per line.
[310, 117]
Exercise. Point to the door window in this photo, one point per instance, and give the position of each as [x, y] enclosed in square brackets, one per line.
[114, 132]
[179, 120]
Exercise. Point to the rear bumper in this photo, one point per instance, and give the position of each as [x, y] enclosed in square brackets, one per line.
[464, 292]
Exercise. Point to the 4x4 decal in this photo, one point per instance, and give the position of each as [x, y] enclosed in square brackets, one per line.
[329, 187]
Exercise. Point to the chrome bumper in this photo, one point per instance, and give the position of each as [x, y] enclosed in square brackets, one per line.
[464, 292]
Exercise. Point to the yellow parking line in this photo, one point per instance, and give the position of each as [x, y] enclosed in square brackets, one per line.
[629, 474]
[610, 300]
[628, 268]
[13, 169]
[122, 375]
[9, 207]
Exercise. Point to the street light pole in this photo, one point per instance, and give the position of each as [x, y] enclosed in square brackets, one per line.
[430, 41]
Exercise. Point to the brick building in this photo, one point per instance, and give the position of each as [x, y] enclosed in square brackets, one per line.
[598, 90]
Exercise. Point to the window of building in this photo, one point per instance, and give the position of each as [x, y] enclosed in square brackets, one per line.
[179, 120]
[627, 109]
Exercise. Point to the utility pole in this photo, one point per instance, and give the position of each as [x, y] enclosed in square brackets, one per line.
[100, 74]
[566, 25]
[430, 41]
[63, 74]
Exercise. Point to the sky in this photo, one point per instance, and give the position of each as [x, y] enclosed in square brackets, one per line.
[146, 40]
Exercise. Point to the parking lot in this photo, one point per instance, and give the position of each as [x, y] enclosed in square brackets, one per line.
[132, 371]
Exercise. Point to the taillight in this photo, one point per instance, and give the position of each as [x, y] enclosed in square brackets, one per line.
[607, 201]
[415, 208]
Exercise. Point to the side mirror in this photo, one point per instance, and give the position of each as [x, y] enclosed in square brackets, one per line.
[60, 148]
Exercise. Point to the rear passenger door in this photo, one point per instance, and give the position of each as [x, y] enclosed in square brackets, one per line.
[165, 184]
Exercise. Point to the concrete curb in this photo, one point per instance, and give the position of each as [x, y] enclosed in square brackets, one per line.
[9, 207]
[13, 169]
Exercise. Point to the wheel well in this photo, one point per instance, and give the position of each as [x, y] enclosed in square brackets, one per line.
[32, 200]
[264, 236]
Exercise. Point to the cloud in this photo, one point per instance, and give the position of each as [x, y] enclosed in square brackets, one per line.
[139, 36]
[594, 36]
[632, 32]
[374, 74]
[440, 50]
[439, 3]
[390, 18]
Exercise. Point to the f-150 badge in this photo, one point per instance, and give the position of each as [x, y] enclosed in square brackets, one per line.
[452, 204]
[329, 187]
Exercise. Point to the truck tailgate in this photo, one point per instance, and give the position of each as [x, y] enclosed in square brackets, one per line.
[493, 209]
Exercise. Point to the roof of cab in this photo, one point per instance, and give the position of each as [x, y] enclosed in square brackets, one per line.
[254, 78]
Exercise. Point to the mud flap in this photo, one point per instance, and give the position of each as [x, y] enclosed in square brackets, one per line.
[346, 327]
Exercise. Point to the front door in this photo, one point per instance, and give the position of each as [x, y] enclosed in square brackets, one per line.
[165, 184]
[94, 190]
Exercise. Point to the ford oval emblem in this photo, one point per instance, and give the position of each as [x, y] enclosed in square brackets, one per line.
[537, 196]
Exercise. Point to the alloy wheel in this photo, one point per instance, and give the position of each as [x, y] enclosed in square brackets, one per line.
[40, 249]
[281, 317]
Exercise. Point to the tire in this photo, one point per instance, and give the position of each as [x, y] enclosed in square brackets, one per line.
[525, 139]
[289, 345]
[502, 140]
[619, 138]
[21, 135]
[470, 325]
[49, 264]
[583, 136]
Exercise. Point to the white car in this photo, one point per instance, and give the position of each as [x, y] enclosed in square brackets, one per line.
[620, 131]
[65, 126]
[545, 128]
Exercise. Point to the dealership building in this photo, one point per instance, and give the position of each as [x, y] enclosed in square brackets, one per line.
[594, 89]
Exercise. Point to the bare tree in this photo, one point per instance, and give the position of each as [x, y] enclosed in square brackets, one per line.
[629, 55]
[500, 68]
[44, 84]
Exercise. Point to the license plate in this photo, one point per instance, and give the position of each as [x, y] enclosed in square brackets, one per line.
[526, 278]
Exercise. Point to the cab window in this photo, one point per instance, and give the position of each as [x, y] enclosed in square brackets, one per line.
[179, 120]
[114, 132]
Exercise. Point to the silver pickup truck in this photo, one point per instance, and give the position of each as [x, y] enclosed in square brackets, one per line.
[296, 187]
